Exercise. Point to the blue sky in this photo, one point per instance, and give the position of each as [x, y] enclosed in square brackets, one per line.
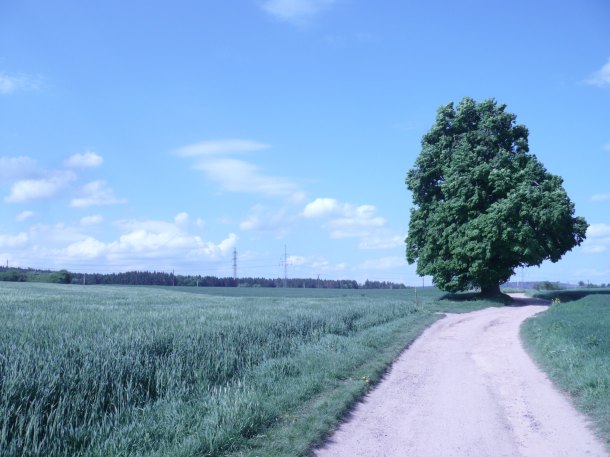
[158, 136]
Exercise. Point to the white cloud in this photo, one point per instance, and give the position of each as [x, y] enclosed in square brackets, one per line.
[600, 197]
[200, 223]
[385, 263]
[164, 239]
[92, 220]
[181, 218]
[18, 82]
[594, 248]
[204, 148]
[598, 231]
[32, 189]
[96, 193]
[89, 248]
[296, 260]
[145, 244]
[598, 239]
[24, 215]
[382, 241]
[88, 159]
[321, 207]
[263, 219]
[346, 220]
[235, 175]
[601, 77]
[14, 168]
[295, 11]
[13, 241]
[323, 265]
[356, 222]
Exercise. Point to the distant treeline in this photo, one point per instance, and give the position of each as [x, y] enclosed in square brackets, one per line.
[158, 278]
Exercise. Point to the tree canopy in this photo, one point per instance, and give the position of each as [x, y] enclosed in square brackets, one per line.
[483, 205]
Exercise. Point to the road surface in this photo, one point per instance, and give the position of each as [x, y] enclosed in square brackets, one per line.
[466, 388]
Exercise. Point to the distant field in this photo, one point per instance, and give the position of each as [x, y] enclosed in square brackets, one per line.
[110, 370]
[571, 341]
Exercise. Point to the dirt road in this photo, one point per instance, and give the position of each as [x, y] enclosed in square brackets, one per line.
[466, 388]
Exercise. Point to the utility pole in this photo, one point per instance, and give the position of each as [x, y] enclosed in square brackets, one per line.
[173, 279]
[234, 264]
[84, 279]
[522, 281]
[285, 266]
[318, 282]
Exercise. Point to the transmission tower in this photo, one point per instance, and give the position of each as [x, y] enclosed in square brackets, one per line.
[234, 264]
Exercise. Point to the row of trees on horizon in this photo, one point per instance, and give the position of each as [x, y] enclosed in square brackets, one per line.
[158, 278]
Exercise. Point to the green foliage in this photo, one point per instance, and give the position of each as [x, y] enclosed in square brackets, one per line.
[571, 341]
[13, 275]
[546, 285]
[483, 205]
[61, 277]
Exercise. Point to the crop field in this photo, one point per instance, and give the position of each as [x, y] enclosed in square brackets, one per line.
[137, 371]
[571, 342]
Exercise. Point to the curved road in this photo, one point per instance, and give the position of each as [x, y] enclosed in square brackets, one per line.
[466, 388]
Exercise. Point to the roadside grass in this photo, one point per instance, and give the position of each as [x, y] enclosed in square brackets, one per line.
[571, 342]
[142, 371]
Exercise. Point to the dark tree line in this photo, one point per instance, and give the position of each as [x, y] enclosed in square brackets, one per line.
[155, 278]
[159, 278]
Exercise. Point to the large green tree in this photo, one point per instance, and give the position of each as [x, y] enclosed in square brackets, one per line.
[483, 205]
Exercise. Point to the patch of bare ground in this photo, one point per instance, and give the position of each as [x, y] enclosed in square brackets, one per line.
[467, 388]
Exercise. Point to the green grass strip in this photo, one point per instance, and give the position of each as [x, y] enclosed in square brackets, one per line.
[571, 342]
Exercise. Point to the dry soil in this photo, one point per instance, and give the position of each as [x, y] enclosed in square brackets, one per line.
[467, 388]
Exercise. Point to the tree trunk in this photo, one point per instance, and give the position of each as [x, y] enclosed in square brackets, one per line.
[491, 290]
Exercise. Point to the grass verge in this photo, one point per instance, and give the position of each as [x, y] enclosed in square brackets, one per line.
[571, 342]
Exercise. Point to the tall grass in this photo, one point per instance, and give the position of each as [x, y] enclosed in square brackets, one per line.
[88, 370]
[571, 341]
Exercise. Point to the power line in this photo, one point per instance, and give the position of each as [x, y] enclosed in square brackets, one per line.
[284, 262]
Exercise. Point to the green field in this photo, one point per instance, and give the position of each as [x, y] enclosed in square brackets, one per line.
[571, 342]
[142, 371]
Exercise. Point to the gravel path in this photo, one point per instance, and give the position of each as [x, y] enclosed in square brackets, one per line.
[466, 388]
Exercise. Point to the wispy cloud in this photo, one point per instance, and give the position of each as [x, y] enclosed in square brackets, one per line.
[382, 240]
[297, 12]
[262, 218]
[96, 193]
[598, 238]
[24, 215]
[33, 189]
[384, 263]
[87, 159]
[601, 77]
[600, 197]
[92, 220]
[214, 159]
[13, 241]
[15, 168]
[204, 148]
[235, 175]
[18, 82]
